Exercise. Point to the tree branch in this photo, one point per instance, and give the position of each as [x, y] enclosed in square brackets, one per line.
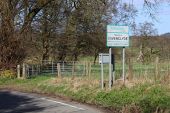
[33, 13]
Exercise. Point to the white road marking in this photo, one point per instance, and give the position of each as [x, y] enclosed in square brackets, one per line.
[63, 104]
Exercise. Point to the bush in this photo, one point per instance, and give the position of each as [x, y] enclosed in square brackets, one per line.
[155, 99]
[8, 74]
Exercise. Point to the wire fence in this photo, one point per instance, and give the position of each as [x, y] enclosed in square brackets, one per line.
[69, 68]
[154, 70]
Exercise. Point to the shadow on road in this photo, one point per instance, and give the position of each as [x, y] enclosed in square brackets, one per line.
[11, 103]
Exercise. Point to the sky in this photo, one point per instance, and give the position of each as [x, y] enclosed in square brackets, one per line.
[162, 22]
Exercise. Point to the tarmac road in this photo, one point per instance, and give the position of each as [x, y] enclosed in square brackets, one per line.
[17, 102]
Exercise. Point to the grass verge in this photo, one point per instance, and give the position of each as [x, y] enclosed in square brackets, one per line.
[141, 98]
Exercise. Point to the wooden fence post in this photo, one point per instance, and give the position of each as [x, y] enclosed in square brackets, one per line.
[168, 69]
[36, 68]
[89, 72]
[146, 73]
[27, 70]
[130, 72]
[87, 69]
[23, 71]
[39, 69]
[84, 69]
[63, 66]
[32, 70]
[59, 70]
[156, 68]
[52, 67]
[73, 69]
[18, 71]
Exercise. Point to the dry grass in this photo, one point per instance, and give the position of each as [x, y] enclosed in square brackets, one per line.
[131, 109]
[76, 83]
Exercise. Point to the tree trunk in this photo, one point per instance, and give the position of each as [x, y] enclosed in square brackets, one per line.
[45, 36]
[141, 53]
[95, 56]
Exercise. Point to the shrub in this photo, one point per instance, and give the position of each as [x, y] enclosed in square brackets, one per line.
[8, 74]
[153, 99]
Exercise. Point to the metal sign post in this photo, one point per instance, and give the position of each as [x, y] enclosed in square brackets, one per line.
[104, 58]
[123, 69]
[113, 69]
[102, 81]
[110, 68]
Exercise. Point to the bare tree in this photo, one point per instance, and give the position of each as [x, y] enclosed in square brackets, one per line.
[145, 31]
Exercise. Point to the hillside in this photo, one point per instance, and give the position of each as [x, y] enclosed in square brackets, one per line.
[165, 35]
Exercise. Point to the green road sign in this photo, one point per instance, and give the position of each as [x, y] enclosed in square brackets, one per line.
[117, 36]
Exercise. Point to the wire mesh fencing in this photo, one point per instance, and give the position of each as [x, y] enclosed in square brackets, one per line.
[62, 68]
[134, 70]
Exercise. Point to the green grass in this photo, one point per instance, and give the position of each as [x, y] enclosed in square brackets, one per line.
[148, 101]
[146, 98]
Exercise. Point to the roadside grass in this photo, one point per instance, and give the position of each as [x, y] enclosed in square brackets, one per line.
[146, 97]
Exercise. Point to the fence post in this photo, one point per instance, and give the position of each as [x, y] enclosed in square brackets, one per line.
[18, 71]
[63, 66]
[59, 70]
[32, 70]
[168, 74]
[23, 71]
[156, 68]
[87, 69]
[36, 69]
[146, 73]
[84, 68]
[73, 69]
[89, 72]
[52, 67]
[39, 69]
[27, 71]
[130, 72]
[167, 70]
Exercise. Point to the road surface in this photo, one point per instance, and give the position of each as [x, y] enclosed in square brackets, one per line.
[17, 102]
